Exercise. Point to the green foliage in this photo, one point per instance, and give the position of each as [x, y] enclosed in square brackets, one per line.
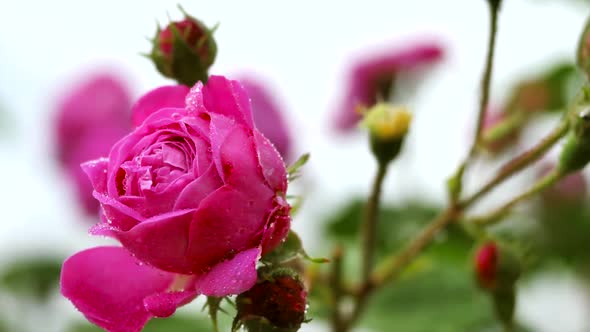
[36, 277]
[397, 225]
[437, 293]
[172, 324]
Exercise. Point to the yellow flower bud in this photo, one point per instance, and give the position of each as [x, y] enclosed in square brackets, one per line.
[387, 122]
[387, 126]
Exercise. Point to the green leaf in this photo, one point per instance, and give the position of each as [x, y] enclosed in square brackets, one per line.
[36, 277]
[293, 170]
[171, 324]
[290, 248]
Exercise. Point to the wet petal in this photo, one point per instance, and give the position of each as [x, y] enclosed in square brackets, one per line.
[273, 166]
[162, 241]
[192, 195]
[165, 304]
[109, 286]
[230, 277]
[97, 173]
[227, 97]
[226, 222]
[171, 96]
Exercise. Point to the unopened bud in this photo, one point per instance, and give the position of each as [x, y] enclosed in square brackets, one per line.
[277, 303]
[496, 267]
[184, 51]
[575, 153]
[388, 125]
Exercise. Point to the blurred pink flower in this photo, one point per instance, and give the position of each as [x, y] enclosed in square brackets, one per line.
[268, 116]
[196, 192]
[375, 76]
[90, 118]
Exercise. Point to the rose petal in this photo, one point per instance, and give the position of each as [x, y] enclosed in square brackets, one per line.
[165, 304]
[108, 286]
[273, 166]
[118, 214]
[192, 195]
[162, 241]
[97, 173]
[171, 96]
[227, 97]
[239, 162]
[233, 276]
[277, 231]
[226, 222]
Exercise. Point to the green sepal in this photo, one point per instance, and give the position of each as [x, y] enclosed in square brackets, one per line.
[385, 150]
[293, 169]
[289, 249]
[504, 301]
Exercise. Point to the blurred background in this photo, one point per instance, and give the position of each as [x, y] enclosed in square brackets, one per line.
[302, 51]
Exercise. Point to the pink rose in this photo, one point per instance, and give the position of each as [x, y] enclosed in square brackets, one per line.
[195, 194]
[90, 119]
[268, 116]
[374, 77]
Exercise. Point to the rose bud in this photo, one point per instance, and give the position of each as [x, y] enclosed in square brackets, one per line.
[500, 130]
[496, 267]
[575, 152]
[388, 125]
[91, 117]
[184, 51]
[570, 190]
[374, 78]
[195, 194]
[268, 116]
[278, 304]
[497, 270]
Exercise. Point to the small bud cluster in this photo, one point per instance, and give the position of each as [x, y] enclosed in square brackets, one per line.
[184, 51]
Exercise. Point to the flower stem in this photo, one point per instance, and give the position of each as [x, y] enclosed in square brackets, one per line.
[520, 162]
[370, 223]
[391, 268]
[336, 284]
[497, 215]
[483, 101]
[368, 251]
[486, 79]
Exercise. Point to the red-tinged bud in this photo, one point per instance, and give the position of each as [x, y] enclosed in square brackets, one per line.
[496, 267]
[184, 51]
[276, 304]
[486, 265]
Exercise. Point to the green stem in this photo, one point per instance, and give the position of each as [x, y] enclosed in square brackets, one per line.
[520, 162]
[336, 284]
[370, 223]
[368, 249]
[486, 79]
[497, 215]
[392, 267]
